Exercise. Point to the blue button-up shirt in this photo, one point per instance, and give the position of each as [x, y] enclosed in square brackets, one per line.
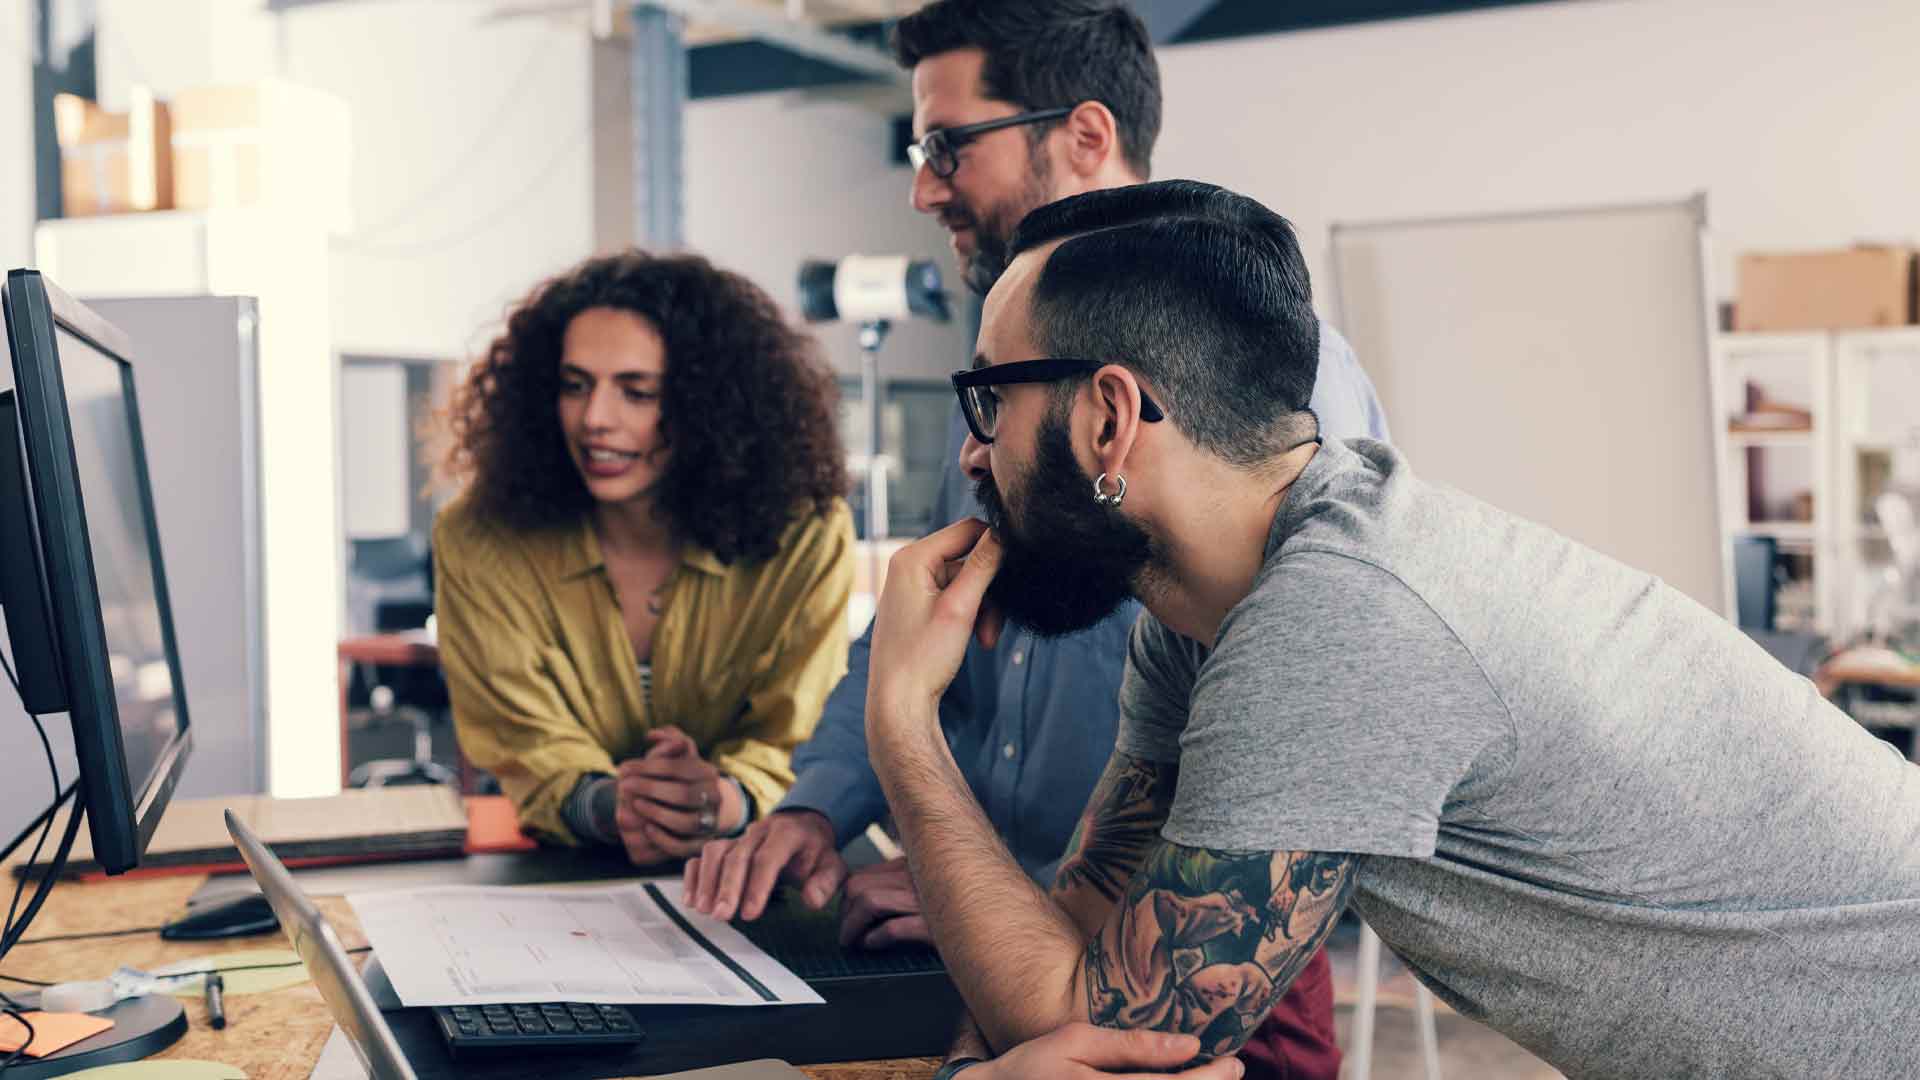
[1031, 722]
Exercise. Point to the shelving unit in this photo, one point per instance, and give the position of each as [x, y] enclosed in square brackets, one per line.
[1876, 419]
[1861, 393]
[1761, 471]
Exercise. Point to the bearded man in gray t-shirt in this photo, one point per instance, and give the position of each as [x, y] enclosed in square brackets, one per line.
[1584, 809]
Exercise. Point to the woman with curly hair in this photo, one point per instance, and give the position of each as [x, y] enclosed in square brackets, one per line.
[642, 593]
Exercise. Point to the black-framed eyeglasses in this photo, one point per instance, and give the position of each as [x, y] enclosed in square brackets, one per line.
[981, 406]
[939, 149]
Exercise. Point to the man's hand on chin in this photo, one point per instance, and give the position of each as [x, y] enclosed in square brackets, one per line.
[931, 605]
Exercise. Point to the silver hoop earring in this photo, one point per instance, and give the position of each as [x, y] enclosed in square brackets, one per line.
[1102, 497]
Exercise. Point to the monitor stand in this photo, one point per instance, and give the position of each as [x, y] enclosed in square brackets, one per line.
[142, 1026]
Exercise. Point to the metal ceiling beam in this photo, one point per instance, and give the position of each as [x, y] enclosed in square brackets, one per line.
[1168, 19]
[802, 38]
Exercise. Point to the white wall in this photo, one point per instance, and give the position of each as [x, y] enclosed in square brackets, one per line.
[475, 172]
[1796, 116]
[16, 134]
[773, 179]
[473, 144]
[472, 163]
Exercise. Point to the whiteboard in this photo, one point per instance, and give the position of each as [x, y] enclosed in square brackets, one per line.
[1555, 365]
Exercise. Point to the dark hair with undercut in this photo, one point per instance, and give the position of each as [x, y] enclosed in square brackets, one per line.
[747, 406]
[1202, 291]
[1043, 54]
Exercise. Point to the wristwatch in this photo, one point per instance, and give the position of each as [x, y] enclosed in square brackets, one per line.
[953, 1068]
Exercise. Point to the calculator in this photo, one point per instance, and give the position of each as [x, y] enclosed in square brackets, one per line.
[480, 1030]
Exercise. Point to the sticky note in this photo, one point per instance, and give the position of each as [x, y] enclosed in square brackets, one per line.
[270, 970]
[51, 1031]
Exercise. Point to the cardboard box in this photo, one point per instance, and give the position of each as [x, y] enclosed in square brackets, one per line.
[1861, 288]
[113, 163]
[267, 144]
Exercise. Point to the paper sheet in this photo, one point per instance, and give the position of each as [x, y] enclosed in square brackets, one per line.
[338, 1061]
[617, 945]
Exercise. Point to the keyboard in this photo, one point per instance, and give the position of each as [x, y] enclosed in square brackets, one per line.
[808, 943]
[478, 1030]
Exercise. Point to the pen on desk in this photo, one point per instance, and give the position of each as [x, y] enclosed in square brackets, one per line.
[216, 1008]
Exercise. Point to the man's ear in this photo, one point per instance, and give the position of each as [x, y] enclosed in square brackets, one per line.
[1093, 138]
[1116, 421]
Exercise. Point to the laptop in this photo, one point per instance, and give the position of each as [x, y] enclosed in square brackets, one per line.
[346, 993]
[327, 961]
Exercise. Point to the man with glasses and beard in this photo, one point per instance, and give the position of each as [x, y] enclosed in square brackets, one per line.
[1017, 103]
[1586, 810]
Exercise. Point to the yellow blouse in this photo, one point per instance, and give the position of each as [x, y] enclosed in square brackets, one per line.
[545, 684]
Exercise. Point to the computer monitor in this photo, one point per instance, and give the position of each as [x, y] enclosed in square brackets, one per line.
[80, 570]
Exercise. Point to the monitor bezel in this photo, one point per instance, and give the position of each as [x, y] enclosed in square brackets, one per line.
[120, 819]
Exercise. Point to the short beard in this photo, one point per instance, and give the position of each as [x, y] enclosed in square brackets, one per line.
[1070, 562]
[993, 234]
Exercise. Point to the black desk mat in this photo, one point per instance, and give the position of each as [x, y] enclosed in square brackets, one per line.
[863, 1019]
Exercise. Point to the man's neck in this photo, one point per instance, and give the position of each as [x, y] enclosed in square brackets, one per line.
[1111, 175]
[1214, 536]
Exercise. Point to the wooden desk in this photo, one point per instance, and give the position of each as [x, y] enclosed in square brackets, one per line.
[274, 1036]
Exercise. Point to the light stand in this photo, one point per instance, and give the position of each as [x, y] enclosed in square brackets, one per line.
[872, 334]
[872, 291]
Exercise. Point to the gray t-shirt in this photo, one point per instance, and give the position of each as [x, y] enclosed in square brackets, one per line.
[1592, 814]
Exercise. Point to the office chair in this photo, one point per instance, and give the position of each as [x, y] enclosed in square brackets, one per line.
[411, 694]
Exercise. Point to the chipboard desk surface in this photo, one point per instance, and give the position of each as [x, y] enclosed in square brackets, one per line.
[276, 1036]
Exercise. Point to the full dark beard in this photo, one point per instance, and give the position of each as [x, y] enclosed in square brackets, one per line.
[1071, 562]
[988, 262]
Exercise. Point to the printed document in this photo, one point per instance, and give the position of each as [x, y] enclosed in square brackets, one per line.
[628, 944]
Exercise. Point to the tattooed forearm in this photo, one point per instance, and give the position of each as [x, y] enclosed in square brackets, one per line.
[1120, 824]
[1206, 941]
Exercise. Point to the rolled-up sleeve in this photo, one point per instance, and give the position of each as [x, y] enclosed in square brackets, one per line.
[513, 692]
[806, 661]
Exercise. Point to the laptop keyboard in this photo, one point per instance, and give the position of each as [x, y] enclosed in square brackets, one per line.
[808, 943]
[555, 1025]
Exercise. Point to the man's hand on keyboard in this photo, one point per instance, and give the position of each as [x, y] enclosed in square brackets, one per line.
[737, 876]
[883, 908]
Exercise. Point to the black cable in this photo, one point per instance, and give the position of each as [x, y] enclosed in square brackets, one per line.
[89, 937]
[12, 932]
[44, 815]
[14, 1010]
[190, 974]
[8, 935]
[59, 865]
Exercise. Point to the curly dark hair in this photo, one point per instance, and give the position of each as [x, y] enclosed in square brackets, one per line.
[747, 406]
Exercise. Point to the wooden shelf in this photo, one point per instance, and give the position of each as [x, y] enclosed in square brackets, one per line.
[1799, 438]
[1778, 530]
